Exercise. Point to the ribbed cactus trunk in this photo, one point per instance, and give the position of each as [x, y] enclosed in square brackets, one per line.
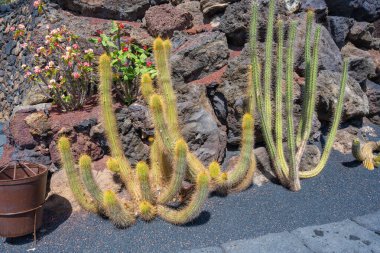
[288, 172]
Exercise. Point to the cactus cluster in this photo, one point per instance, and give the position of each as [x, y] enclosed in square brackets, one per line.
[288, 171]
[154, 188]
[366, 153]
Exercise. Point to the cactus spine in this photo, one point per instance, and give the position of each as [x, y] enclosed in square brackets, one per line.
[288, 172]
[153, 186]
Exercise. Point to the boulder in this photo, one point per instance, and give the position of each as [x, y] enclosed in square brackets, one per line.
[196, 56]
[375, 56]
[59, 184]
[373, 93]
[135, 127]
[361, 64]
[194, 8]
[19, 132]
[361, 10]
[235, 20]
[355, 102]
[361, 34]
[204, 134]
[206, 137]
[210, 7]
[339, 27]
[344, 138]
[319, 7]
[38, 123]
[163, 20]
[329, 54]
[131, 10]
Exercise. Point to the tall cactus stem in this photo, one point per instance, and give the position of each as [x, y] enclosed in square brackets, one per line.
[179, 172]
[248, 179]
[147, 88]
[278, 98]
[308, 76]
[161, 52]
[294, 183]
[311, 96]
[73, 177]
[236, 175]
[268, 64]
[193, 208]
[89, 181]
[147, 211]
[118, 213]
[142, 172]
[334, 127]
[110, 123]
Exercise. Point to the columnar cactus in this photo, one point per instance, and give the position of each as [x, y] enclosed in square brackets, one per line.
[288, 172]
[152, 186]
[365, 153]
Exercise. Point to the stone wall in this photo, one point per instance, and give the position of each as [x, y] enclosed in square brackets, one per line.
[13, 85]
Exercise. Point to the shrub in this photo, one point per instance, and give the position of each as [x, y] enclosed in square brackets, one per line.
[129, 60]
[62, 67]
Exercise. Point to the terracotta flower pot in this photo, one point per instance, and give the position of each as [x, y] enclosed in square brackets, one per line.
[22, 195]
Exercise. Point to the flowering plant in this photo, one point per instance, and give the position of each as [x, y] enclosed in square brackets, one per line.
[62, 68]
[129, 60]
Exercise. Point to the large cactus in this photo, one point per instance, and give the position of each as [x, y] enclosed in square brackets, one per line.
[151, 187]
[288, 172]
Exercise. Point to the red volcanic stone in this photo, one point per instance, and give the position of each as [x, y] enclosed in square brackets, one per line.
[20, 133]
[163, 20]
[213, 78]
[7, 154]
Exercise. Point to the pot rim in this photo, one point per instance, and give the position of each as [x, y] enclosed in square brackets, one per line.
[33, 178]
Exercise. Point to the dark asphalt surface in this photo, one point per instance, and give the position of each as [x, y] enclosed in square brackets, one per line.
[343, 190]
[2, 139]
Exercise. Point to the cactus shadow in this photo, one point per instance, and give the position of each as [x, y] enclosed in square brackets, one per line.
[351, 164]
[202, 219]
[57, 210]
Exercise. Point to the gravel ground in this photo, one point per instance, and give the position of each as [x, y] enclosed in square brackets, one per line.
[343, 190]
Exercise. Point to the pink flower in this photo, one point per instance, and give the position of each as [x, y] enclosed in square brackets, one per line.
[149, 63]
[76, 75]
[86, 64]
[24, 45]
[21, 26]
[70, 63]
[47, 67]
[37, 70]
[37, 3]
[12, 29]
[89, 51]
[76, 46]
[39, 50]
[51, 64]
[27, 74]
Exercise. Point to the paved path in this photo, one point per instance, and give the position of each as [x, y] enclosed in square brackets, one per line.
[361, 234]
